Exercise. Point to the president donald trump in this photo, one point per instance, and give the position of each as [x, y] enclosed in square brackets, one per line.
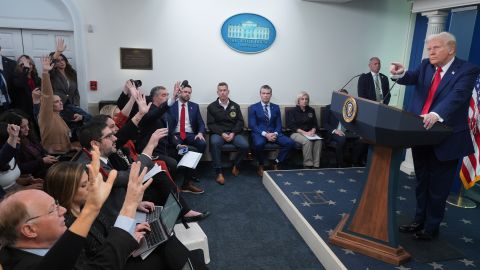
[443, 88]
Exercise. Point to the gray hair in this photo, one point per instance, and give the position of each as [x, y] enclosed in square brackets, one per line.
[448, 38]
[300, 95]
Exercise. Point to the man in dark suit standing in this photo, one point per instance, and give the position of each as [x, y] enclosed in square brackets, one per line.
[265, 121]
[188, 129]
[444, 86]
[7, 69]
[374, 85]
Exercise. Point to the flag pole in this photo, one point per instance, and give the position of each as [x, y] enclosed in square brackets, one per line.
[459, 201]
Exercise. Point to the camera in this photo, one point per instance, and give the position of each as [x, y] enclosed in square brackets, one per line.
[137, 83]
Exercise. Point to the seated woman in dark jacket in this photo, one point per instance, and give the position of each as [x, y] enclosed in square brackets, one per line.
[32, 158]
[25, 80]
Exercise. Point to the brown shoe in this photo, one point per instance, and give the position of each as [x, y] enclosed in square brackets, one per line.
[235, 171]
[220, 179]
[260, 170]
[190, 188]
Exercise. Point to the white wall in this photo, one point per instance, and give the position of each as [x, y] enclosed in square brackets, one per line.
[318, 47]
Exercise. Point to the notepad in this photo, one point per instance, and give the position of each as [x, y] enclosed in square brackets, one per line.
[190, 160]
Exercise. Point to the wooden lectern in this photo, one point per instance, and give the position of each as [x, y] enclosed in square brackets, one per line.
[371, 228]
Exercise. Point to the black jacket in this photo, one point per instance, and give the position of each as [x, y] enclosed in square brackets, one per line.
[220, 120]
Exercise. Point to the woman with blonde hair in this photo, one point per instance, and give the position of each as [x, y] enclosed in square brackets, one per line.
[303, 122]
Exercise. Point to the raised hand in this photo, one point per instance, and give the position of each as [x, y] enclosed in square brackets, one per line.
[135, 190]
[47, 65]
[61, 46]
[143, 108]
[13, 132]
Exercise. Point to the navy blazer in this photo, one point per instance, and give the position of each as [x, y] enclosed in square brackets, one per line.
[196, 121]
[450, 102]
[366, 87]
[257, 123]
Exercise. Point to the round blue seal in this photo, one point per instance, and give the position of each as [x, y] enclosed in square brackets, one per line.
[248, 33]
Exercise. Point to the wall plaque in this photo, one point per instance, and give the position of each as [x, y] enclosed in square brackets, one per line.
[135, 58]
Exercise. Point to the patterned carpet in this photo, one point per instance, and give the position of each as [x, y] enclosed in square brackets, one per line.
[324, 196]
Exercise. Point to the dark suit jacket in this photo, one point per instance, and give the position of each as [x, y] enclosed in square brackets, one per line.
[196, 121]
[366, 87]
[63, 255]
[450, 102]
[257, 122]
[9, 71]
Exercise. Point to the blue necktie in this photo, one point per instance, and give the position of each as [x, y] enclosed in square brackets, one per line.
[265, 112]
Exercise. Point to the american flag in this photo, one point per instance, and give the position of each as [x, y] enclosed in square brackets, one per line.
[470, 171]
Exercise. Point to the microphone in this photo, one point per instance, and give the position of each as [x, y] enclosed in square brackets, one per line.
[184, 83]
[351, 80]
[389, 90]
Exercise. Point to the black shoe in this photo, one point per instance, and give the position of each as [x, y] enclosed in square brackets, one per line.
[410, 228]
[424, 235]
[197, 217]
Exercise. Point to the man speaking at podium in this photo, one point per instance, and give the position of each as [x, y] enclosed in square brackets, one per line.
[444, 86]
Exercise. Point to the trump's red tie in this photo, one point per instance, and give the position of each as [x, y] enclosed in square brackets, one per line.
[183, 135]
[431, 92]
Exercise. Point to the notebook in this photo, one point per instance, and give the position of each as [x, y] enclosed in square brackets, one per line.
[161, 229]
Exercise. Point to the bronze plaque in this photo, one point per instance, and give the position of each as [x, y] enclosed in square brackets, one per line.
[135, 58]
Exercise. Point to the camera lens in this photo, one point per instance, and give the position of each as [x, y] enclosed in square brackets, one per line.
[137, 83]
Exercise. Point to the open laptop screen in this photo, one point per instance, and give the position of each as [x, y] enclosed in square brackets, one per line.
[170, 212]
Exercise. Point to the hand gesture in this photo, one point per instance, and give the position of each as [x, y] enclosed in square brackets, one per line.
[146, 207]
[98, 190]
[429, 120]
[143, 108]
[77, 117]
[36, 95]
[46, 64]
[61, 46]
[49, 159]
[339, 132]
[158, 135]
[135, 190]
[200, 137]
[130, 89]
[397, 68]
[140, 230]
[13, 131]
[176, 89]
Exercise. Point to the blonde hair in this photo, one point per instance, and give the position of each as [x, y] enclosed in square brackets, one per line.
[109, 110]
[447, 37]
[300, 95]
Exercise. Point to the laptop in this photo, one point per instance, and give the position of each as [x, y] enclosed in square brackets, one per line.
[160, 229]
[148, 217]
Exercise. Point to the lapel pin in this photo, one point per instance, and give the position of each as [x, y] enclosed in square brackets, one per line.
[453, 72]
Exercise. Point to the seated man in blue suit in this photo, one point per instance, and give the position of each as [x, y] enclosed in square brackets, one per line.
[187, 127]
[265, 121]
[443, 88]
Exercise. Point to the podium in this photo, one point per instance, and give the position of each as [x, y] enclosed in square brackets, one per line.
[370, 228]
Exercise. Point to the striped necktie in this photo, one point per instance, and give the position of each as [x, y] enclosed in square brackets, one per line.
[265, 112]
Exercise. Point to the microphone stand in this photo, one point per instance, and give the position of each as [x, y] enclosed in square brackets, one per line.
[350, 80]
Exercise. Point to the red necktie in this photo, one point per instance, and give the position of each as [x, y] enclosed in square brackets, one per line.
[183, 135]
[431, 92]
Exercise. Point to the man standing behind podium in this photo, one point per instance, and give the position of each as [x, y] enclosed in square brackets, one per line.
[444, 86]
[374, 85]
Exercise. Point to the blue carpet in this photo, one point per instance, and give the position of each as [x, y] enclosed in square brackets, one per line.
[247, 230]
[324, 196]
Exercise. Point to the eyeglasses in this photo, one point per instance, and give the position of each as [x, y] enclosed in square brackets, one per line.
[55, 208]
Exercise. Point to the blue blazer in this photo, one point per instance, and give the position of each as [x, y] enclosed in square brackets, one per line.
[257, 123]
[451, 102]
[196, 121]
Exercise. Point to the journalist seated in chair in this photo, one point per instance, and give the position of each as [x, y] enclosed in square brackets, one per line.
[338, 135]
[302, 121]
[225, 121]
[265, 121]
